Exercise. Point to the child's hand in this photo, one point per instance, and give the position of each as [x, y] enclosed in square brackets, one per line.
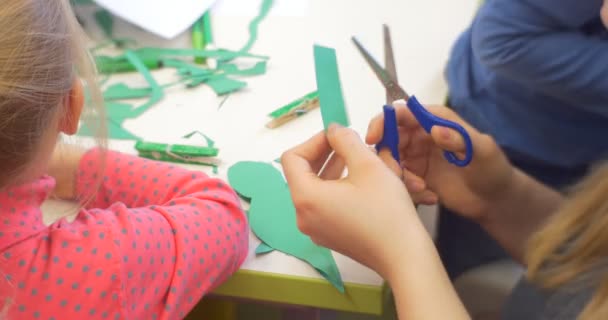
[367, 215]
[431, 178]
[64, 167]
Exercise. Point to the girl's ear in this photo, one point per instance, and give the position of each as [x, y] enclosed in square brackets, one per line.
[72, 109]
[253, 178]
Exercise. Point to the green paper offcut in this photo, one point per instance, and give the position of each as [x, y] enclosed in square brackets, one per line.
[255, 24]
[272, 217]
[221, 54]
[224, 85]
[105, 21]
[210, 142]
[263, 249]
[157, 91]
[258, 69]
[333, 109]
[121, 91]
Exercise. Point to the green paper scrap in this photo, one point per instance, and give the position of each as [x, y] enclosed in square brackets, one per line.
[263, 249]
[210, 142]
[186, 69]
[221, 54]
[272, 217]
[105, 21]
[157, 91]
[121, 91]
[255, 23]
[258, 69]
[333, 109]
[224, 85]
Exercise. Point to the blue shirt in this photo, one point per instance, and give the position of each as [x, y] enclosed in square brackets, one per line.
[534, 74]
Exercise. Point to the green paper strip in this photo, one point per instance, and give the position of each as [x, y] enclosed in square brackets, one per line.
[105, 21]
[221, 54]
[258, 69]
[157, 91]
[255, 23]
[223, 85]
[296, 103]
[333, 109]
[185, 68]
[121, 91]
[210, 142]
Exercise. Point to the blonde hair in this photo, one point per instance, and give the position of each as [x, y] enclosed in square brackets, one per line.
[42, 52]
[573, 246]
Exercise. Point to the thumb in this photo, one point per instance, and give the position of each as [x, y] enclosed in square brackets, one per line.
[348, 145]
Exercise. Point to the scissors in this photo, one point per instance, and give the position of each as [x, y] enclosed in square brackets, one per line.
[427, 120]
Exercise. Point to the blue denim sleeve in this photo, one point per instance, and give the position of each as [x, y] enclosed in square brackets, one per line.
[540, 43]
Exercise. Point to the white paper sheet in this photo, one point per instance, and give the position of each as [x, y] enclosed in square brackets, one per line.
[162, 17]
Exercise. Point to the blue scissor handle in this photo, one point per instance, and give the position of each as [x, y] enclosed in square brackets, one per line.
[427, 120]
[390, 139]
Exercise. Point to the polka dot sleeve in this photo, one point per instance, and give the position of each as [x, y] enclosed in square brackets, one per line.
[177, 233]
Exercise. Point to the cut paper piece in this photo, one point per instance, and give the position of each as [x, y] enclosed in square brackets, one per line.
[272, 217]
[157, 92]
[333, 109]
[210, 141]
[186, 69]
[220, 54]
[121, 91]
[255, 24]
[223, 85]
[249, 8]
[263, 249]
[258, 69]
[164, 18]
[105, 21]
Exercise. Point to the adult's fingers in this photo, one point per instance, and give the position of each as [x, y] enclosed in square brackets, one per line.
[347, 144]
[302, 163]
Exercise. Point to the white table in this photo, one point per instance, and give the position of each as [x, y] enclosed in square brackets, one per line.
[423, 32]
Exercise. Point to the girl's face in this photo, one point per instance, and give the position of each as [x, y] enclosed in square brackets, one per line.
[604, 13]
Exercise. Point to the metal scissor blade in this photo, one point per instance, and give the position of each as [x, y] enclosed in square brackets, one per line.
[389, 57]
[394, 91]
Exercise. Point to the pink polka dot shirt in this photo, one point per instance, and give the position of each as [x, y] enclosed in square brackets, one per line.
[154, 240]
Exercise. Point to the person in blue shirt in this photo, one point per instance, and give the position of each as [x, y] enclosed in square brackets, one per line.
[532, 74]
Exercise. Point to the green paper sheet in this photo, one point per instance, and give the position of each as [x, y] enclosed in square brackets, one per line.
[263, 249]
[224, 85]
[272, 217]
[333, 109]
